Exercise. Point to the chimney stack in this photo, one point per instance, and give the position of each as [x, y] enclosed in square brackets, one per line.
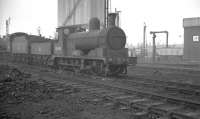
[111, 19]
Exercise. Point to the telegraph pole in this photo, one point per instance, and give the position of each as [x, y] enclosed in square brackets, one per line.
[39, 31]
[7, 25]
[144, 39]
[106, 11]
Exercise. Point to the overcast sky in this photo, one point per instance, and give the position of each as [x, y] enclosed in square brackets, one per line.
[158, 15]
[28, 15]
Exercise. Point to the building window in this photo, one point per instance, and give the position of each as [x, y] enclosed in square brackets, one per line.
[195, 38]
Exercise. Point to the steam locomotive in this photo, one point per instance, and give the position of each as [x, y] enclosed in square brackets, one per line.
[99, 51]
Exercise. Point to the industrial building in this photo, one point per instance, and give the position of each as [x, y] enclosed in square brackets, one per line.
[191, 39]
[72, 12]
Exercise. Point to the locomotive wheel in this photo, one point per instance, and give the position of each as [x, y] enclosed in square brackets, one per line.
[115, 70]
[98, 69]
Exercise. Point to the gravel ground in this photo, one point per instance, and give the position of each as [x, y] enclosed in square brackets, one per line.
[32, 98]
[191, 77]
[24, 96]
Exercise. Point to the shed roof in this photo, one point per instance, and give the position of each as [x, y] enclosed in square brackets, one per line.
[191, 22]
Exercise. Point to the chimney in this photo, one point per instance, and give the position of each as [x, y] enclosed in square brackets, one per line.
[111, 19]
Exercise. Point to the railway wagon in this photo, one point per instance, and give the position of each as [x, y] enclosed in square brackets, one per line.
[30, 49]
[41, 49]
[3, 49]
[3, 44]
[19, 43]
[19, 47]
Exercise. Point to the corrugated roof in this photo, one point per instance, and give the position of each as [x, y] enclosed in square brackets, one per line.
[190, 22]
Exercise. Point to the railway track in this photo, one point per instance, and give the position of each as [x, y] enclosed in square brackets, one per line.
[179, 74]
[141, 97]
[186, 90]
[140, 103]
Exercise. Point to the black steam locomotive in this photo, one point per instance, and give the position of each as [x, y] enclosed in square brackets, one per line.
[100, 51]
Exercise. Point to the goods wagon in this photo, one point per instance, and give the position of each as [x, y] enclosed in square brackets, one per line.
[19, 43]
[30, 48]
[40, 45]
[22, 43]
[3, 44]
[3, 49]
[41, 48]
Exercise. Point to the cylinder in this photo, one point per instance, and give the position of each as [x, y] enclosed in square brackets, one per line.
[94, 24]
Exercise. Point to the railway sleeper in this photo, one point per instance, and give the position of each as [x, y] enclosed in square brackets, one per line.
[136, 103]
[83, 87]
[96, 101]
[129, 100]
[112, 95]
[119, 98]
[190, 92]
[79, 86]
[93, 90]
[186, 114]
[139, 115]
[172, 89]
[109, 99]
[107, 103]
[99, 92]
[145, 105]
[116, 98]
[162, 111]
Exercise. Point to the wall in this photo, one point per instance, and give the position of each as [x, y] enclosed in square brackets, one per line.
[191, 48]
